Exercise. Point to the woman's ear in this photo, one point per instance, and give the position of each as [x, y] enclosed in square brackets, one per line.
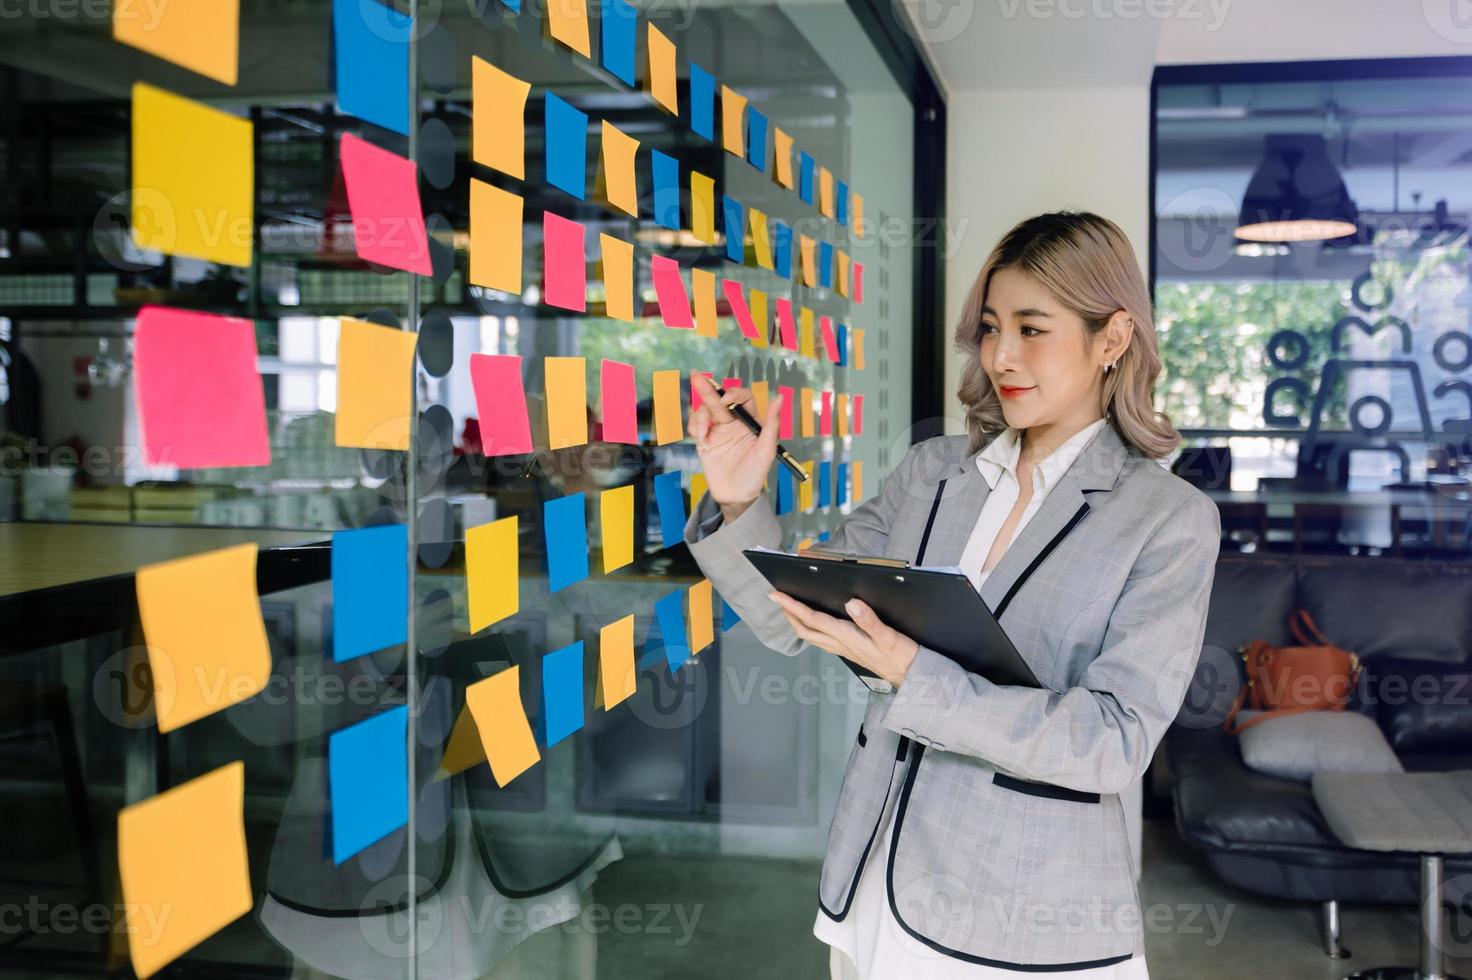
[1118, 333]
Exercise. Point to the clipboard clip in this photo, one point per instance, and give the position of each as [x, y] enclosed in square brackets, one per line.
[853, 560]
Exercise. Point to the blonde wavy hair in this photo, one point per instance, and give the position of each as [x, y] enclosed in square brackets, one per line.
[1086, 263]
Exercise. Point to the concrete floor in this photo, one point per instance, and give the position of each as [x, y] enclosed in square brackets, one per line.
[755, 923]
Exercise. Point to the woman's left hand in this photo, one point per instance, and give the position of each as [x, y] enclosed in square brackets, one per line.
[866, 641]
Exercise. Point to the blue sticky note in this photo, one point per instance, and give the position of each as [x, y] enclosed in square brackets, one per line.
[825, 483]
[781, 248]
[805, 177]
[368, 781]
[843, 345]
[512, 5]
[734, 227]
[567, 146]
[618, 28]
[824, 536]
[702, 102]
[666, 173]
[786, 484]
[562, 693]
[841, 494]
[370, 590]
[840, 208]
[756, 139]
[669, 615]
[565, 525]
[825, 265]
[728, 616]
[371, 42]
[671, 501]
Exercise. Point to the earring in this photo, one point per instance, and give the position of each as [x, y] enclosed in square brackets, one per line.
[1108, 366]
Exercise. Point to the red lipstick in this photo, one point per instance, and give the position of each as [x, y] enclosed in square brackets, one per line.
[1007, 392]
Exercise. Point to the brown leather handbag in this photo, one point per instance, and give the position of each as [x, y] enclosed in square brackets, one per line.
[1316, 676]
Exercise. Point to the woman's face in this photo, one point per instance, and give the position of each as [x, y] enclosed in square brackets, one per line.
[1035, 352]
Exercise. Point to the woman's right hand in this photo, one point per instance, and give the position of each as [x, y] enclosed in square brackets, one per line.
[735, 461]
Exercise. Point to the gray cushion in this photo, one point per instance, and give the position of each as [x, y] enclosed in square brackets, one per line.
[1424, 812]
[1297, 746]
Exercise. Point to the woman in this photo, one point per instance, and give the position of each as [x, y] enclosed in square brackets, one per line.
[979, 831]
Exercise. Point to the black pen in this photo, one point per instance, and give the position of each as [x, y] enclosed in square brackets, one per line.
[741, 413]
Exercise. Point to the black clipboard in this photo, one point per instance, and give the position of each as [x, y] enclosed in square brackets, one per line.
[938, 609]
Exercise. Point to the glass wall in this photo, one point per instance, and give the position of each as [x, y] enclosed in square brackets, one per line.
[673, 828]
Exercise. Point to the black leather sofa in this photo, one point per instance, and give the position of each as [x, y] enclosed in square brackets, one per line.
[1411, 623]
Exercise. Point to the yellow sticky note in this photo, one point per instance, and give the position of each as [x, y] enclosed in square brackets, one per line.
[183, 866]
[206, 641]
[757, 301]
[759, 395]
[193, 186]
[733, 120]
[703, 285]
[783, 144]
[805, 412]
[567, 401]
[825, 192]
[660, 76]
[375, 385]
[616, 518]
[842, 282]
[201, 35]
[702, 626]
[858, 351]
[805, 488]
[702, 207]
[618, 276]
[498, 118]
[805, 333]
[698, 486]
[809, 266]
[617, 676]
[495, 237]
[567, 21]
[505, 734]
[492, 572]
[856, 214]
[760, 240]
[841, 411]
[617, 169]
[668, 424]
[856, 473]
[463, 750]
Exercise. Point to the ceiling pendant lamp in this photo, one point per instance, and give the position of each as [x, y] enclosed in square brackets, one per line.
[1296, 194]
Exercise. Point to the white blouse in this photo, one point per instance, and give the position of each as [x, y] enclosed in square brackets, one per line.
[869, 944]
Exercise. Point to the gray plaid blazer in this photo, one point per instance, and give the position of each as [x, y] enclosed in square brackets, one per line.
[1009, 846]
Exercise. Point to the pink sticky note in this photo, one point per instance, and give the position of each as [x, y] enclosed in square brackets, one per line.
[695, 398]
[500, 401]
[739, 309]
[786, 324]
[669, 289]
[620, 421]
[784, 429]
[728, 383]
[825, 414]
[199, 394]
[564, 268]
[383, 195]
[830, 342]
[858, 289]
[858, 401]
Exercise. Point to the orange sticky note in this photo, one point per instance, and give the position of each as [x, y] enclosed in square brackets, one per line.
[842, 272]
[805, 488]
[617, 676]
[702, 626]
[567, 401]
[757, 300]
[825, 192]
[193, 191]
[183, 866]
[567, 21]
[733, 121]
[498, 118]
[206, 641]
[760, 240]
[758, 395]
[616, 162]
[805, 333]
[698, 487]
[618, 276]
[616, 517]
[841, 411]
[201, 35]
[805, 411]
[703, 285]
[856, 215]
[856, 472]
[505, 734]
[703, 207]
[858, 351]
[495, 237]
[463, 749]
[783, 144]
[659, 77]
[492, 572]
[375, 385]
[669, 425]
[809, 267]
